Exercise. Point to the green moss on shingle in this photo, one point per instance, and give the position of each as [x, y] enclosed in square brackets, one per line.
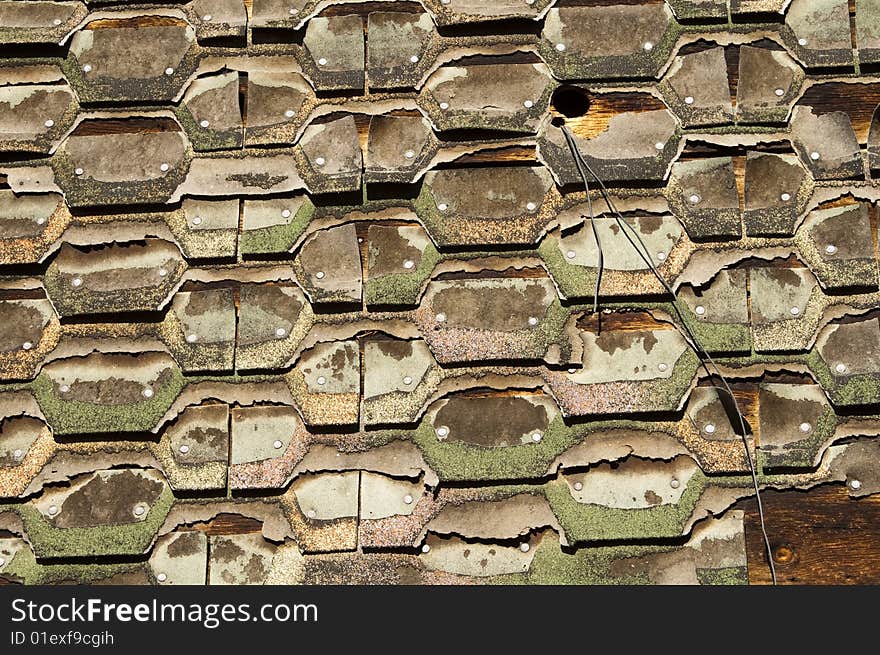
[731, 575]
[24, 567]
[402, 288]
[278, 238]
[130, 539]
[73, 416]
[583, 522]
[466, 462]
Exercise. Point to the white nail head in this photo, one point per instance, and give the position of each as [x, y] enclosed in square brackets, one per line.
[444, 106]
[192, 338]
[311, 513]
[76, 282]
[815, 156]
[694, 199]
[426, 548]
[659, 145]
[285, 213]
[528, 104]
[571, 254]
[414, 59]
[204, 123]
[169, 71]
[321, 380]
[41, 221]
[289, 113]
[802, 42]
[53, 510]
[442, 206]
[840, 368]
[648, 46]
[661, 256]
[408, 499]
[320, 161]
[795, 311]
[578, 486]
[855, 484]
[17, 454]
[662, 366]
[87, 68]
[537, 436]
[161, 577]
[524, 547]
[442, 431]
[162, 272]
[409, 154]
[560, 47]
[780, 92]
[293, 11]
[278, 443]
[531, 206]
[533, 321]
[700, 310]
[184, 449]
[322, 61]
[805, 427]
[27, 345]
[57, 21]
[147, 392]
[49, 123]
[408, 264]
[440, 318]
[709, 428]
[407, 380]
[78, 171]
[689, 100]
[207, 18]
[280, 332]
[164, 167]
[197, 220]
[785, 197]
[830, 249]
[64, 388]
[675, 484]
[320, 275]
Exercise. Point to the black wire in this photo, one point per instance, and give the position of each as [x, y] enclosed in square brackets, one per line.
[690, 337]
[601, 267]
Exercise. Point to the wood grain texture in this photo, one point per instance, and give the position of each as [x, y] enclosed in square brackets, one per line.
[818, 537]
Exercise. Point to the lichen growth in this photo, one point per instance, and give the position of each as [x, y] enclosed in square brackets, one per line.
[131, 539]
[73, 416]
[278, 238]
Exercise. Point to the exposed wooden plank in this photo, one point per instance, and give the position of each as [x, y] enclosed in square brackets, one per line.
[818, 537]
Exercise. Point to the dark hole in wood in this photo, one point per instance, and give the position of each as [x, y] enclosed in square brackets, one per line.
[570, 101]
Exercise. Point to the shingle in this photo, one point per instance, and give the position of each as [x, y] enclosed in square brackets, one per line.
[38, 22]
[211, 112]
[608, 40]
[636, 146]
[334, 53]
[768, 84]
[33, 117]
[826, 144]
[118, 59]
[703, 195]
[482, 97]
[818, 32]
[777, 190]
[696, 88]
